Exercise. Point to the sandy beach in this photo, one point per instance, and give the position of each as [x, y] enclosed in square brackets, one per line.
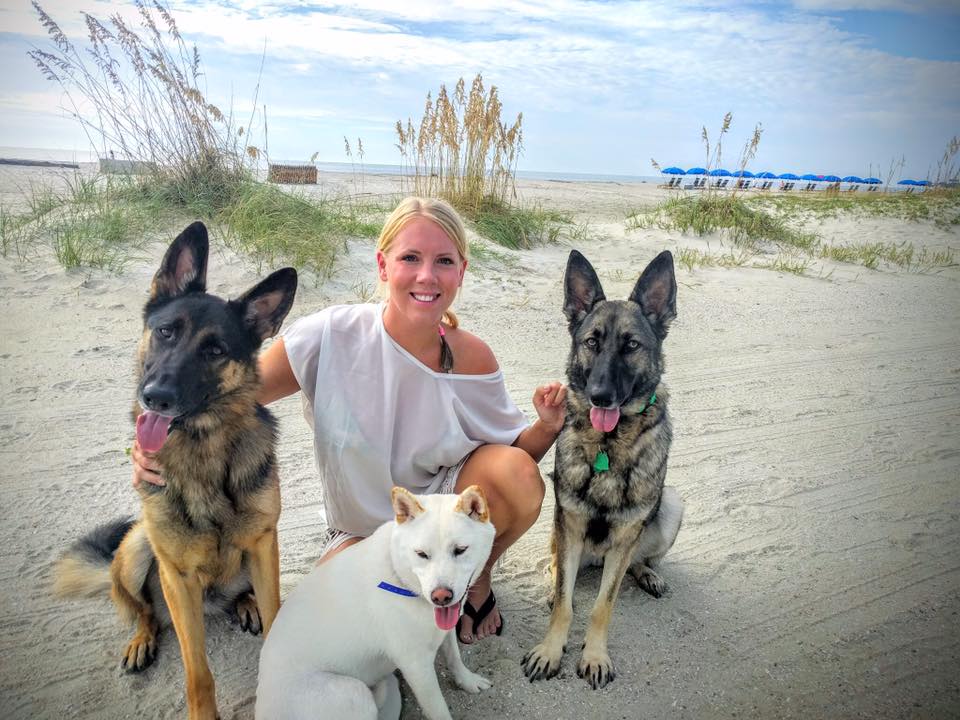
[817, 448]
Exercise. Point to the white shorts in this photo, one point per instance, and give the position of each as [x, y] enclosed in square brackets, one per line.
[334, 537]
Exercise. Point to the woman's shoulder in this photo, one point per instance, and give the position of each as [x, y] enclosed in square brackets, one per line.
[471, 355]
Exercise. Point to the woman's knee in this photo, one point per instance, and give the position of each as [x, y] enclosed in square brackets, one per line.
[510, 475]
[526, 485]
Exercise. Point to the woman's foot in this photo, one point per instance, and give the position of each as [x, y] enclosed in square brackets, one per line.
[481, 617]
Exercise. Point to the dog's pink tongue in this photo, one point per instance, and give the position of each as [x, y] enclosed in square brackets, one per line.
[447, 617]
[604, 420]
[152, 430]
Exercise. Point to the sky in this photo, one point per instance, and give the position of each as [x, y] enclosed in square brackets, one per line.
[840, 86]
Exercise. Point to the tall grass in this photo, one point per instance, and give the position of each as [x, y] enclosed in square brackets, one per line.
[753, 224]
[704, 214]
[136, 91]
[274, 227]
[520, 228]
[461, 150]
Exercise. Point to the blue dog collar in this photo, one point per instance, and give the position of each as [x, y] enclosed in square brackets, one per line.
[397, 590]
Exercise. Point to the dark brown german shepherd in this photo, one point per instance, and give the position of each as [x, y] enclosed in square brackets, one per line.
[211, 532]
[611, 457]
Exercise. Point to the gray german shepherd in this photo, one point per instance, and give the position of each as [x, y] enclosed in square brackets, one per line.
[611, 458]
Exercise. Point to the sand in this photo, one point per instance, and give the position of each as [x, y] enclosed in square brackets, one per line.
[817, 424]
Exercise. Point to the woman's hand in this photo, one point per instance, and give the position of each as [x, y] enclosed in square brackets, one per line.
[550, 402]
[145, 467]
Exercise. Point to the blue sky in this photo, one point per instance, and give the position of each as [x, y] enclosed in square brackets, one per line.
[840, 85]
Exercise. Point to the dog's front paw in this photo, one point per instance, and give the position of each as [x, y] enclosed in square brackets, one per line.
[140, 652]
[596, 668]
[653, 584]
[248, 614]
[543, 662]
[472, 682]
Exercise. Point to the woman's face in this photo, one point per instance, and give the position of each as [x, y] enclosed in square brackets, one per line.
[423, 271]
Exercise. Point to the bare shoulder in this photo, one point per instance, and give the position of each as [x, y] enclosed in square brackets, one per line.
[471, 355]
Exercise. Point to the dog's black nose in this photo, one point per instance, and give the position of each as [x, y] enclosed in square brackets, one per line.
[158, 398]
[601, 399]
[441, 596]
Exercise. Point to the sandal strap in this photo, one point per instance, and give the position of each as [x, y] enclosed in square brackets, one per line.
[479, 615]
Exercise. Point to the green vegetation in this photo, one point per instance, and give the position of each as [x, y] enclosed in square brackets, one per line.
[941, 207]
[757, 223]
[103, 221]
[708, 212]
[277, 227]
[147, 87]
[520, 228]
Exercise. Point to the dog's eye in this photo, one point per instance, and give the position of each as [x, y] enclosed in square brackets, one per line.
[421, 553]
[459, 551]
[165, 331]
[633, 345]
[214, 350]
[591, 342]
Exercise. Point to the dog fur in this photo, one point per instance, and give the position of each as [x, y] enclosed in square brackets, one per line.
[623, 517]
[339, 637]
[210, 533]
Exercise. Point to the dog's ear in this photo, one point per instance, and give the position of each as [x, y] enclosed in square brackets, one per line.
[581, 289]
[656, 293]
[184, 266]
[405, 504]
[473, 503]
[266, 304]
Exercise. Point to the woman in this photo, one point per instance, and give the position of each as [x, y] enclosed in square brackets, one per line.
[399, 394]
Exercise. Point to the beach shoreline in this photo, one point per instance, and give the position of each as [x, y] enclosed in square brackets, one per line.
[816, 420]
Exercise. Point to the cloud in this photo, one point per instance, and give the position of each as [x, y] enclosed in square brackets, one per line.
[643, 68]
[904, 6]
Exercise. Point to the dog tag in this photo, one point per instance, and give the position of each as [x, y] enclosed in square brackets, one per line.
[602, 463]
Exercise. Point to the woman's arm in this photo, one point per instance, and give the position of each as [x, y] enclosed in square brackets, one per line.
[276, 376]
[550, 402]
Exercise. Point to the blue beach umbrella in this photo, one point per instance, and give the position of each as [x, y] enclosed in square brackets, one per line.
[720, 172]
[766, 175]
[873, 181]
[673, 171]
[852, 179]
[907, 182]
[810, 176]
[788, 176]
[743, 173]
[923, 183]
[831, 178]
[697, 171]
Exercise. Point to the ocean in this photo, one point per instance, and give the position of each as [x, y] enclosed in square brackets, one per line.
[84, 156]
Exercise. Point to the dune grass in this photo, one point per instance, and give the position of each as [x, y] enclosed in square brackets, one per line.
[757, 224]
[104, 221]
[939, 206]
[520, 228]
[276, 227]
[703, 214]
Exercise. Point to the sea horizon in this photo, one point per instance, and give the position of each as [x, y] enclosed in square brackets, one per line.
[11, 152]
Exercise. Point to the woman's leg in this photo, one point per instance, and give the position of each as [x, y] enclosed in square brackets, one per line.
[339, 548]
[511, 481]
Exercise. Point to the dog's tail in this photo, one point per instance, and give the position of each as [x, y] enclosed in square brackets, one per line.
[84, 569]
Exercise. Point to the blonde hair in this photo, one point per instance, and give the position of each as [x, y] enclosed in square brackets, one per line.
[433, 209]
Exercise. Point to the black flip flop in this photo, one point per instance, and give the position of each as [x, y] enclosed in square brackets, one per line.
[478, 616]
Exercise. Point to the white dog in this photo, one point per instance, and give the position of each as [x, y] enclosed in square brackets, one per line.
[388, 602]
